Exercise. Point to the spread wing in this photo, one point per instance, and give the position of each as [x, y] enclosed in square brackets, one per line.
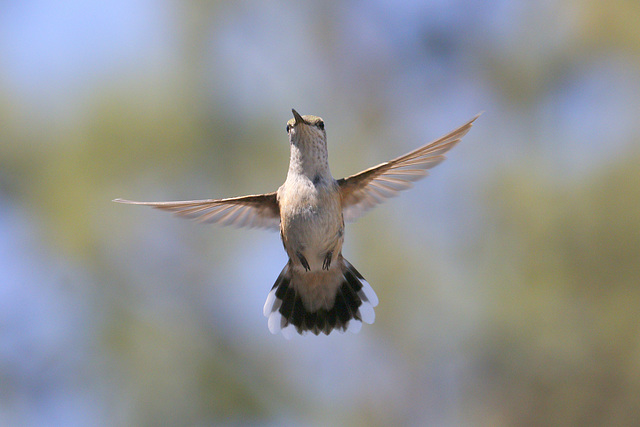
[364, 190]
[248, 211]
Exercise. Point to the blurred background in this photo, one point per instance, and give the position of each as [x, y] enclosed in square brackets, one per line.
[508, 280]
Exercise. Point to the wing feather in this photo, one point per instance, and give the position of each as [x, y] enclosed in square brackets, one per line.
[260, 210]
[364, 190]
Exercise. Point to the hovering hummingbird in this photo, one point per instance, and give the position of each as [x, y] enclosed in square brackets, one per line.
[318, 290]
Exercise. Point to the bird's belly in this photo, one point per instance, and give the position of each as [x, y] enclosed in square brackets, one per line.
[313, 231]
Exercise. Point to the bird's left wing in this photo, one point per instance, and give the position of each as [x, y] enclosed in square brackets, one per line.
[247, 211]
[364, 190]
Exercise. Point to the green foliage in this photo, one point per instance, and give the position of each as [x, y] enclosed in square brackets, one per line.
[564, 268]
[546, 333]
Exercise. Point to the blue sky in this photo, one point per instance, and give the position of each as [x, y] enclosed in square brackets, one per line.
[428, 59]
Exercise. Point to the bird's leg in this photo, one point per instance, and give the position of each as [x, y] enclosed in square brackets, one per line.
[303, 261]
[327, 260]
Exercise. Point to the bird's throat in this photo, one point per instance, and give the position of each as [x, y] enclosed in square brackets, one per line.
[311, 162]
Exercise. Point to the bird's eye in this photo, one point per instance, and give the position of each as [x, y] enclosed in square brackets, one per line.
[320, 125]
[288, 128]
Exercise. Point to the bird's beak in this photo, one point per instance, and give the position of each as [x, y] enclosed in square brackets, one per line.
[297, 116]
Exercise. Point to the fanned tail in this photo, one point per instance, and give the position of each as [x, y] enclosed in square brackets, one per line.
[353, 304]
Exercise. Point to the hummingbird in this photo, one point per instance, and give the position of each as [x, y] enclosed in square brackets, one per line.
[318, 290]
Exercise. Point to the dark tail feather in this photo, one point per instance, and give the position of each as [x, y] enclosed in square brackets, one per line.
[353, 304]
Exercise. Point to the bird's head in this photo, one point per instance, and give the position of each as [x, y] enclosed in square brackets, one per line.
[306, 131]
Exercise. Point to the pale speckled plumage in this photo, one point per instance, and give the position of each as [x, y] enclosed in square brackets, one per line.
[310, 209]
[311, 214]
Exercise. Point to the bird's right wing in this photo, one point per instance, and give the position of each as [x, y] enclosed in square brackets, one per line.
[364, 190]
[247, 211]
